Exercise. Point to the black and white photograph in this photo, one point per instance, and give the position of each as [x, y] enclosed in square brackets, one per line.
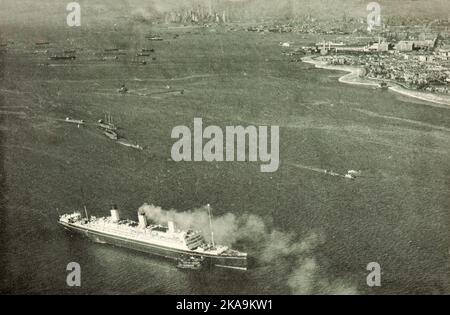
[244, 148]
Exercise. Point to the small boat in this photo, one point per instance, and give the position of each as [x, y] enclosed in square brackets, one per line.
[40, 51]
[383, 86]
[123, 89]
[139, 62]
[130, 145]
[157, 38]
[193, 263]
[330, 172]
[62, 58]
[110, 134]
[74, 121]
[349, 176]
[110, 58]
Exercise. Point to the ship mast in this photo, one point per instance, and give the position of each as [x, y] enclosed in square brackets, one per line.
[85, 211]
[210, 224]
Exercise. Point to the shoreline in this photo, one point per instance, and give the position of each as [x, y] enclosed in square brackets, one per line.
[353, 77]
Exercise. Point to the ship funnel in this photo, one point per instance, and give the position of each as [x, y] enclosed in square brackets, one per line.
[171, 226]
[142, 220]
[114, 214]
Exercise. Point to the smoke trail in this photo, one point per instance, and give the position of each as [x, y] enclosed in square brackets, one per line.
[292, 256]
[306, 279]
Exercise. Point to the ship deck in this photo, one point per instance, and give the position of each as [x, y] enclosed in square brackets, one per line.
[225, 261]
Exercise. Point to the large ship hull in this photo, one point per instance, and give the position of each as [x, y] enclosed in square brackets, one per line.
[231, 262]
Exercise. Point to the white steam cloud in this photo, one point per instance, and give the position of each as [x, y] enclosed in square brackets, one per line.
[270, 247]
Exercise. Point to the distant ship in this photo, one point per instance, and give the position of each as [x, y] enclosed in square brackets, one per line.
[123, 89]
[130, 145]
[110, 58]
[110, 134]
[107, 123]
[165, 241]
[62, 57]
[139, 62]
[74, 121]
[154, 37]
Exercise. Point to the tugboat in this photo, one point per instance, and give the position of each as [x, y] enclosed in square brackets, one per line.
[193, 263]
[110, 134]
[62, 57]
[123, 89]
[383, 85]
[74, 121]
[352, 174]
[130, 145]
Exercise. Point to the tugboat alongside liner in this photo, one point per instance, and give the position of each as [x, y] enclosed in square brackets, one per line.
[188, 248]
[194, 263]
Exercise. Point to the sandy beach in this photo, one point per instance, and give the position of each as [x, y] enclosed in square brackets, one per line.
[354, 77]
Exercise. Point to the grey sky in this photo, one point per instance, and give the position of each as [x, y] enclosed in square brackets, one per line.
[53, 11]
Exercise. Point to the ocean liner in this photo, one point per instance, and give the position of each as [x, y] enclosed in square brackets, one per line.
[166, 241]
